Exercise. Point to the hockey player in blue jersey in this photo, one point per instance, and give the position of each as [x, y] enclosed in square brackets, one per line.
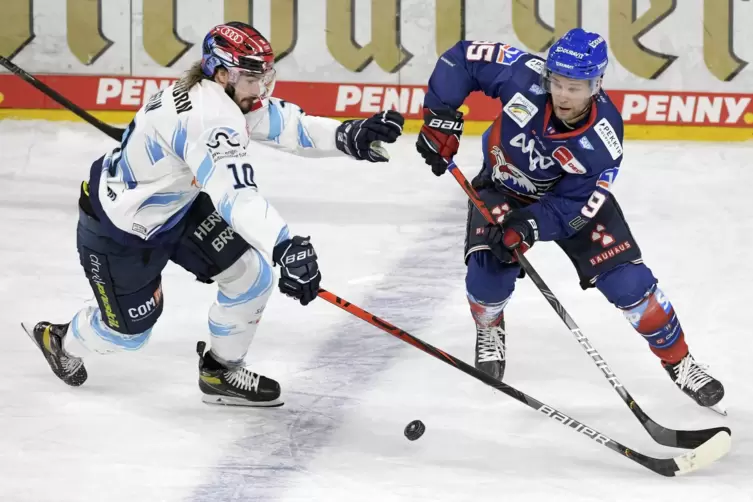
[550, 159]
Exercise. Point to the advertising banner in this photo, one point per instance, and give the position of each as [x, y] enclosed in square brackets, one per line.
[677, 69]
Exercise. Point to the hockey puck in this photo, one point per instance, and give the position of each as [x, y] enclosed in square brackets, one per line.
[414, 430]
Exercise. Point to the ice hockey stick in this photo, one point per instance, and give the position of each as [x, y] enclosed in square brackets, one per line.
[705, 454]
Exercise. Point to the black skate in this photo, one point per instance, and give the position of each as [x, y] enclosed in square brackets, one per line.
[49, 338]
[693, 380]
[234, 386]
[490, 350]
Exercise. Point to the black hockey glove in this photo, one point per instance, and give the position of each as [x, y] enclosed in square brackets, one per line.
[518, 230]
[299, 271]
[362, 139]
[439, 138]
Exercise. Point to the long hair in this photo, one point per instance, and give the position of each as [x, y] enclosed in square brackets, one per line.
[194, 75]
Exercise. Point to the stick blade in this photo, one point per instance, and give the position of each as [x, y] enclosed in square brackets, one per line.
[707, 453]
[687, 439]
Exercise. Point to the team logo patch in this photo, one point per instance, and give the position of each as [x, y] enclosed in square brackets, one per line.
[609, 137]
[536, 65]
[223, 137]
[508, 54]
[520, 109]
[504, 172]
[585, 143]
[567, 160]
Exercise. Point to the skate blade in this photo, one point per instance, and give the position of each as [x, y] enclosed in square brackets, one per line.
[718, 408]
[237, 401]
[30, 333]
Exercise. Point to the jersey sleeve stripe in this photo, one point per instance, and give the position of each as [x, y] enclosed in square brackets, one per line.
[275, 121]
[205, 171]
[283, 235]
[179, 141]
[225, 208]
[303, 137]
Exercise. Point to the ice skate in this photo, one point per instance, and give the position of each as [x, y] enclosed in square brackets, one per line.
[235, 386]
[490, 350]
[693, 380]
[49, 338]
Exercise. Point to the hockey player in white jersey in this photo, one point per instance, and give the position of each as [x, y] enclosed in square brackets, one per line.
[181, 188]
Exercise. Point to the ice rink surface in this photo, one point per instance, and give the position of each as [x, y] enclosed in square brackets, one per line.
[390, 239]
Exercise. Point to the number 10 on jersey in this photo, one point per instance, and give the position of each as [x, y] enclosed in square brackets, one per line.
[244, 177]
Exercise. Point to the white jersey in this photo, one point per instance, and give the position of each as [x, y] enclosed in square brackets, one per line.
[184, 141]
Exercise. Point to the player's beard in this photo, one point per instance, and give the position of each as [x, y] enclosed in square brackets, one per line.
[577, 118]
[572, 117]
[244, 104]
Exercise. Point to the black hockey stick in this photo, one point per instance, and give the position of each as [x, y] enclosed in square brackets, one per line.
[706, 453]
[115, 133]
[660, 434]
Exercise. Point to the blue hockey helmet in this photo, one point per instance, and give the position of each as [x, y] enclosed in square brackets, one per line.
[579, 55]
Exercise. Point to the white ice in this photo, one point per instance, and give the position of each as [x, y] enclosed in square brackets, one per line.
[390, 239]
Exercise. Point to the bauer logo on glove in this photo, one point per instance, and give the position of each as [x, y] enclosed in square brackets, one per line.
[302, 255]
[439, 138]
[449, 125]
[362, 139]
[299, 270]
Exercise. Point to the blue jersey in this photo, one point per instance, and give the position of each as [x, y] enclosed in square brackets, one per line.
[563, 176]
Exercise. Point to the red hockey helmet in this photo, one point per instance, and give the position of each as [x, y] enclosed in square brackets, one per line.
[241, 49]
